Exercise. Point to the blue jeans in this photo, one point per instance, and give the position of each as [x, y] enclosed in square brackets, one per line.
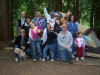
[56, 51]
[73, 47]
[64, 53]
[83, 52]
[35, 45]
[51, 46]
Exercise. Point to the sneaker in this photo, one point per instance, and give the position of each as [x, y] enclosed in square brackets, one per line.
[73, 56]
[82, 58]
[52, 59]
[34, 59]
[77, 58]
[40, 59]
[16, 59]
[43, 60]
[48, 57]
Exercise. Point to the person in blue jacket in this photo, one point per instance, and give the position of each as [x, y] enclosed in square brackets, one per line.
[72, 26]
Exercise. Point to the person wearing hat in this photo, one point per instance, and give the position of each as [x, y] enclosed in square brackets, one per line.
[20, 42]
[65, 41]
[50, 18]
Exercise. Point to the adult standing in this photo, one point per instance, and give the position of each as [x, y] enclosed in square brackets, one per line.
[40, 19]
[50, 18]
[20, 22]
[72, 26]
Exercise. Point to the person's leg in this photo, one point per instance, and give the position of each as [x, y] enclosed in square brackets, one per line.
[45, 51]
[39, 49]
[69, 52]
[73, 50]
[77, 54]
[83, 52]
[52, 46]
[33, 48]
[16, 55]
[63, 55]
[56, 48]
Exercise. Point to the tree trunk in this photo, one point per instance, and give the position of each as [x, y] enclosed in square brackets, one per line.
[97, 17]
[77, 10]
[68, 5]
[6, 28]
[92, 12]
[74, 7]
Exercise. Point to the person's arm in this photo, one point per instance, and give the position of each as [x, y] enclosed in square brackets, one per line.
[17, 30]
[44, 36]
[59, 41]
[30, 35]
[43, 24]
[67, 24]
[71, 40]
[76, 30]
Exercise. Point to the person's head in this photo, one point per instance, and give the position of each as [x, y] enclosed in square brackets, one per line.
[48, 26]
[80, 34]
[77, 34]
[52, 14]
[23, 14]
[72, 18]
[28, 19]
[31, 24]
[22, 32]
[68, 14]
[57, 21]
[64, 27]
[38, 14]
[51, 29]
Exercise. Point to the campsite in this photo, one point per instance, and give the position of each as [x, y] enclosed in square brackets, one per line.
[36, 38]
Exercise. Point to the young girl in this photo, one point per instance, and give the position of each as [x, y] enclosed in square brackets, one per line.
[80, 43]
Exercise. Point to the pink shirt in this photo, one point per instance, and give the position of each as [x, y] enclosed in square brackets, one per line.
[34, 34]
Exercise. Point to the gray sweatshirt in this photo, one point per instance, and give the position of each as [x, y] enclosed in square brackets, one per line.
[64, 40]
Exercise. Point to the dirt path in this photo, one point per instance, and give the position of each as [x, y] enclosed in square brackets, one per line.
[9, 67]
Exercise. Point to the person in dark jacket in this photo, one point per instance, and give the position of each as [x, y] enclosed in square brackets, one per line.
[26, 26]
[21, 43]
[20, 23]
[49, 44]
[57, 29]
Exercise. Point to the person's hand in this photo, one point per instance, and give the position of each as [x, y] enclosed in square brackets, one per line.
[67, 47]
[43, 4]
[24, 48]
[43, 43]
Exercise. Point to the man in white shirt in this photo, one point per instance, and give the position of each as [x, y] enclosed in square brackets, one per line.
[50, 18]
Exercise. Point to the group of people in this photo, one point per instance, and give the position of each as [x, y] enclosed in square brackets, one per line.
[50, 37]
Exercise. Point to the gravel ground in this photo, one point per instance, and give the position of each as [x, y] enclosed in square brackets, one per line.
[8, 66]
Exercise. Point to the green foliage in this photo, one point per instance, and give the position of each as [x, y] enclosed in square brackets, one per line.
[28, 6]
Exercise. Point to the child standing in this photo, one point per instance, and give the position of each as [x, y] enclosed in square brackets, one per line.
[80, 43]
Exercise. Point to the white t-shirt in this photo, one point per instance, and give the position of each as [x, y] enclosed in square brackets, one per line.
[80, 42]
[50, 20]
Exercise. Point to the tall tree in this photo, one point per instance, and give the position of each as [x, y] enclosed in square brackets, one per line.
[6, 28]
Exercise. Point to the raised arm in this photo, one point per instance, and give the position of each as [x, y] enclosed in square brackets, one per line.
[45, 11]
